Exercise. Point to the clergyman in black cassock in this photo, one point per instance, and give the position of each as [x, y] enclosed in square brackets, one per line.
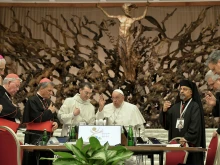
[38, 114]
[193, 130]
[10, 113]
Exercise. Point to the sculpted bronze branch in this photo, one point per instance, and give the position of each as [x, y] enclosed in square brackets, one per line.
[148, 75]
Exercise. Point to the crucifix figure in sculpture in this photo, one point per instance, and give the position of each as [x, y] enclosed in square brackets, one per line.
[125, 33]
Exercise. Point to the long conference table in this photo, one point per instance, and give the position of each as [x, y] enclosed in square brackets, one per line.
[149, 150]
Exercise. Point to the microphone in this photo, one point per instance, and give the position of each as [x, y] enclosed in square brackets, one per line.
[30, 133]
[139, 138]
[35, 141]
[139, 130]
[125, 131]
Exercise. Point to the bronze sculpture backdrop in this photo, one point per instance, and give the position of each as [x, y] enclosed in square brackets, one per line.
[159, 65]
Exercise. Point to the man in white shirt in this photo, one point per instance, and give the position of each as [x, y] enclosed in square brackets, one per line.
[120, 112]
[77, 109]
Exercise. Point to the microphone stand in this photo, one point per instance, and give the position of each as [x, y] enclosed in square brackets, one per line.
[35, 141]
[139, 139]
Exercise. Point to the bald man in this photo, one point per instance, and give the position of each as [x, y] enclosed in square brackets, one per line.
[119, 112]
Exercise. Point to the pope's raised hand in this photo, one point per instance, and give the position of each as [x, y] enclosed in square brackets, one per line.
[101, 102]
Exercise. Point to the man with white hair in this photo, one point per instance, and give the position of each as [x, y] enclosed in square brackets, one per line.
[119, 112]
[9, 114]
[211, 78]
[213, 81]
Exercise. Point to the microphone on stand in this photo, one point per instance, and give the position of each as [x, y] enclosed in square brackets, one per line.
[35, 141]
[139, 138]
[125, 131]
[139, 130]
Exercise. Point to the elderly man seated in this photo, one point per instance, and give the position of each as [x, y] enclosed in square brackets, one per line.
[120, 112]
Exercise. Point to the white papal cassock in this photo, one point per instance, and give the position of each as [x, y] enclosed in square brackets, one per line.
[127, 114]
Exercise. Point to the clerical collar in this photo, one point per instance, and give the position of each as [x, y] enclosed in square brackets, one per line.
[8, 95]
[6, 92]
[38, 94]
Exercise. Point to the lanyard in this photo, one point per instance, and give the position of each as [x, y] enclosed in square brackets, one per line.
[181, 114]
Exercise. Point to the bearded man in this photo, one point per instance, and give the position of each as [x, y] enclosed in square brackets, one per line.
[187, 110]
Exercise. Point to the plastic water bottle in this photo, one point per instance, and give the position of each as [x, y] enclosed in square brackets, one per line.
[44, 138]
[72, 135]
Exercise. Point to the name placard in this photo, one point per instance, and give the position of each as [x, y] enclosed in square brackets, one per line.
[110, 134]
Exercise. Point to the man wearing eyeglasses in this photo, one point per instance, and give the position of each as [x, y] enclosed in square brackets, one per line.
[77, 109]
[213, 62]
[188, 111]
[120, 112]
[213, 81]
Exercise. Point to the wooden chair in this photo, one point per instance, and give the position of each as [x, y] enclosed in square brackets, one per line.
[212, 157]
[176, 157]
[10, 152]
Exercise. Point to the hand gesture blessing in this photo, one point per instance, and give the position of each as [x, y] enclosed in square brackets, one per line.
[101, 103]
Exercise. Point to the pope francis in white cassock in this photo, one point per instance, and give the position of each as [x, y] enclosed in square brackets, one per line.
[120, 112]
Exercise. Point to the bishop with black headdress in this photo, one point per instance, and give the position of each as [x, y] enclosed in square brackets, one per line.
[191, 116]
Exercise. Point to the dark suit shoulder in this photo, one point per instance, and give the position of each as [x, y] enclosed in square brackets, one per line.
[2, 91]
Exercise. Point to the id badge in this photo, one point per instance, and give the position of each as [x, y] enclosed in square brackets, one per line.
[180, 124]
